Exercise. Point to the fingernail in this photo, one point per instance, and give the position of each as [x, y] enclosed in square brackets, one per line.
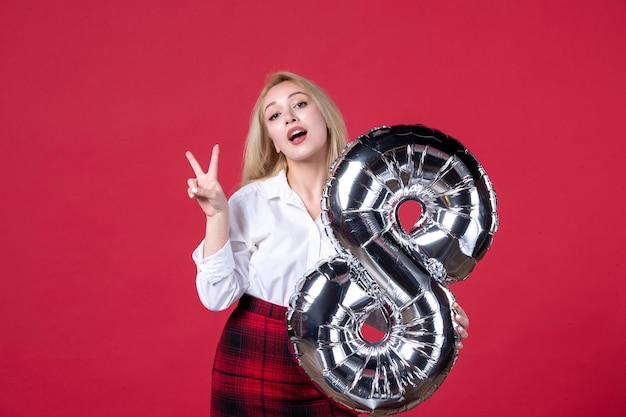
[194, 190]
[191, 196]
[455, 304]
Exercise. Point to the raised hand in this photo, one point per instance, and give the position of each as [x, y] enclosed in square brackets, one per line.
[205, 187]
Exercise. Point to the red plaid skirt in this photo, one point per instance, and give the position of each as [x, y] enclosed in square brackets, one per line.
[255, 374]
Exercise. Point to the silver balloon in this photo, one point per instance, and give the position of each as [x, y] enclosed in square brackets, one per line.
[388, 275]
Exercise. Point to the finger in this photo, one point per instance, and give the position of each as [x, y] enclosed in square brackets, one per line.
[197, 169]
[460, 316]
[463, 334]
[215, 154]
[195, 190]
[462, 321]
[192, 189]
[458, 309]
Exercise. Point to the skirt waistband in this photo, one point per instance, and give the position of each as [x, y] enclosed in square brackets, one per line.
[264, 308]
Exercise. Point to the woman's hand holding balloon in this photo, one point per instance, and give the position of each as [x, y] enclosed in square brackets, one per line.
[461, 323]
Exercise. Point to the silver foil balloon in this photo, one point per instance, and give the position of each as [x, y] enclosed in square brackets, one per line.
[388, 275]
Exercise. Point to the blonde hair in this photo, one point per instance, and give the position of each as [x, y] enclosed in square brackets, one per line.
[260, 157]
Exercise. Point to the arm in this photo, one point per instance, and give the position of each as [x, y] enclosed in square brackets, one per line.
[217, 282]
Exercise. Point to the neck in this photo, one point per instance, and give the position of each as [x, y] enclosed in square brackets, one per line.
[308, 180]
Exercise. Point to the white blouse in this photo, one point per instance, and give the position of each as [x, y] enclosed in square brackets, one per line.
[273, 243]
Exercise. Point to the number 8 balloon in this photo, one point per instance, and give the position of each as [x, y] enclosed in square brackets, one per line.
[388, 275]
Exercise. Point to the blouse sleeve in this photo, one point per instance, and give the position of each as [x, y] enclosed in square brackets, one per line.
[223, 277]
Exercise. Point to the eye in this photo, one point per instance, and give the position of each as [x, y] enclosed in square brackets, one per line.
[273, 116]
[300, 104]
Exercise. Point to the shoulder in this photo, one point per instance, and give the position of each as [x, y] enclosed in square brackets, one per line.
[253, 207]
[263, 189]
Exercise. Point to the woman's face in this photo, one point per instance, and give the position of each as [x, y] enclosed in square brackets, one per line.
[295, 123]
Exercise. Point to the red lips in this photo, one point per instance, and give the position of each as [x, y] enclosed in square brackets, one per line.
[296, 133]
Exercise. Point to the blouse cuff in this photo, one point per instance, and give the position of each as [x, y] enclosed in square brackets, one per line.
[217, 266]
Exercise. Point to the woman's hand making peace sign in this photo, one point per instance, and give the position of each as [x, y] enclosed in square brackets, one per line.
[208, 192]
[205, 188]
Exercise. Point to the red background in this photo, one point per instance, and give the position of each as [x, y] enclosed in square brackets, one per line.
[100, 100]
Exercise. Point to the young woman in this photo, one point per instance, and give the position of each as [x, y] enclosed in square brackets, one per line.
[262, 241]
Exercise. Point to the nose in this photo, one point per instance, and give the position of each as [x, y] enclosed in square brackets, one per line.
[289, 117]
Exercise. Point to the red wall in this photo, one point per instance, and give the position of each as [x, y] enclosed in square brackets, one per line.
[100, 100]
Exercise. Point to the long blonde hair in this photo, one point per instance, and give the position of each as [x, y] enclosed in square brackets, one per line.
[260, 157]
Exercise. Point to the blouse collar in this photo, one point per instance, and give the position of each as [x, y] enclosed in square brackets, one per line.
[278, 187]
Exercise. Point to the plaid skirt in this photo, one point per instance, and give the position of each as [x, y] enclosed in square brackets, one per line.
[255, 373]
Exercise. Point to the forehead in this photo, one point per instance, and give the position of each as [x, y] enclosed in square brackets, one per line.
[281, 91]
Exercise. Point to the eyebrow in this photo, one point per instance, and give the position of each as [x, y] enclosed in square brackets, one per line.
[289, 96]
